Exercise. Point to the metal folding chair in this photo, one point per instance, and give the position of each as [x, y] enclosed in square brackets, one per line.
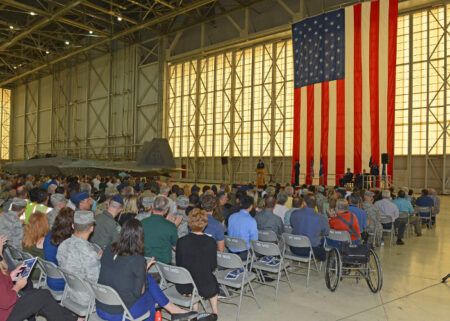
[229, 262]
[267, 249]
[76, 284]
[267, 236]
[109, 296]
[52, 271]
[291, 240]
[336, 236]
[236, 245]
[171, 275]
[426, 214]
[391, 231]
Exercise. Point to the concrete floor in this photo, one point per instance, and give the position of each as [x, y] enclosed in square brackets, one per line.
[411, 289]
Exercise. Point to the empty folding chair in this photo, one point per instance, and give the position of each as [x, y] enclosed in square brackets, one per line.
[107, 295]
[229, 263]
[299, 241]
[76, 284]
[271, 261]
[267, 236]
[52, 271]
[426, 214]
[391, 231]
[336, 237]
[171, 275]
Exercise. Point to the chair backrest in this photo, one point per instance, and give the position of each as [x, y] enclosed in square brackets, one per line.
[51, 269]
[386, 219]
[75, 283]
[16, 254]
[106, 294]
[229, 260]
[296, 240]
[96, 247]
[287, 228]
[26, 255]
[267, 236]
[236, 244]
[174, 274]
[265, 248]
[339, 236]
[424, 209]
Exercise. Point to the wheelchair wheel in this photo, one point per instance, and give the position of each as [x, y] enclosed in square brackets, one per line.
[333, 269]
[374, 273]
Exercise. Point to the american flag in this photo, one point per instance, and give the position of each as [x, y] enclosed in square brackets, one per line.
[345, 88]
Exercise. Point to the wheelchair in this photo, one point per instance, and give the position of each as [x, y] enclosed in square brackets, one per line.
[353, 262]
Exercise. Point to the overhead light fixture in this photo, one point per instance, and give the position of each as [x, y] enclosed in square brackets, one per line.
[11, 27]
[67, 42]
[15, 67]
[47, 52]
[119, 18]
[20, 65]
[91, 32]
[32, 13]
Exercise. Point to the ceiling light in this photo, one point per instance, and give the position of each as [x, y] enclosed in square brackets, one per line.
[119, 18]
[20, 65]
[67, 42]
[15, 67]
[47, 52]
[11, 27]
[91, 32]
[32, 13]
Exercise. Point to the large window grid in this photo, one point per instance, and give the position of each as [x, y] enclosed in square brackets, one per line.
[5, 109]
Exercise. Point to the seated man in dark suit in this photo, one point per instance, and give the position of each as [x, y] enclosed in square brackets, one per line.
[347, 178]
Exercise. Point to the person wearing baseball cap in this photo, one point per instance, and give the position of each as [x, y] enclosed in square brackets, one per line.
[78, 256]
[107, 229]
[10, 224]
[82, 201]
[147, 204]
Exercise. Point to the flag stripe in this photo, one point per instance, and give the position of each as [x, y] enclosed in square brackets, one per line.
[324, 131]
[317, 129]
[310, 133]
[357, 90]
[297, 141]
[332, 132]
[340, 128]
[303, 131]
[374, 84]
[367, 28]
[383, 76]
[348, 106]
[393, 13]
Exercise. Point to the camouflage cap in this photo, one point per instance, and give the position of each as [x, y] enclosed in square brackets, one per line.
[83, 217]
[20, 202]
[148, 201]
[182, 201]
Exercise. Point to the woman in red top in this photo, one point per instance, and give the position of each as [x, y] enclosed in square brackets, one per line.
[15, 308]
[345, 221]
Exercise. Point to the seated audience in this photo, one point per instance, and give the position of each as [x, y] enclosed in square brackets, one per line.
[160, 234]
[388, 208]
[61, 230]
[436, 203]
[77, 256]
[214, 228]
[344, 220]
[147, 204]
[107, 229]
[197, 253]
[136, 288]
[354, 207]
[38, 203]
[242, 225]
[82, 201]
[10, 224]
[267, 220]
[406, 210]
[58, 202]
[280, 208]
[296, 204]
[222, 210]
[34, 234]
[374, 226]
[306, 222]
[129, 211]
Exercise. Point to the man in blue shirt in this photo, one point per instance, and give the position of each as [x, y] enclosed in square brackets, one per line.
[360, 214]
[242, 225]
[215, 229]
[306, 222]
[425, 201]
[405, 208]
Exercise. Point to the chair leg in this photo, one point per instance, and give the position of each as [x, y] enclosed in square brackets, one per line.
[240, 303]
[278, 281]
[254, 295]
[287, 277]
[307, 273]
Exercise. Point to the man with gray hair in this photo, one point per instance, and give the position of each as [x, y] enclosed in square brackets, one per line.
[160, 234]
[345, 221]
[389, 209]
[280, 208]
[58, 202]
[165, 191]
[10, 224]
[107, 229]
[77, 256]
[147, 204]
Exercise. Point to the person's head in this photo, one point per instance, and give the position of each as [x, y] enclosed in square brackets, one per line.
[182, 202]
[197, 220]
[348, 169]
[432, 191]
[424, 192]
[131, 239]
[341, 206]
[354, 199]
[208, 203]
[83, 223]
[164, 190]
[115, 205]
[297, 202]
[310, 201]
[161, 205]
[410, 192]
[270, 202]
[320, 189]
[368, 196]
[205, 189]
[82, 201]
[127, 191]
[195, 189]
[85, 187]
[147, 203]
[386, 194]
[401, 194]
[282, 198]
[18, 205]
[194, 199]
[35, 230]
[63, 226]
[58, 201]
[246, 202]
[222, 198]
[131, 205]
[289, 190]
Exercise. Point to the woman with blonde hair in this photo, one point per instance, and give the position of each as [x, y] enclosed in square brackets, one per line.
[34, 234]
[130, 209]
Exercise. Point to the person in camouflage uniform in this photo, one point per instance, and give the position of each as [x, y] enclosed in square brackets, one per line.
[58, 202]
[77, 256]
[320, 198]
[147, 204]
[107, 229]
[182, 204]
[374, 227]
[10, 224]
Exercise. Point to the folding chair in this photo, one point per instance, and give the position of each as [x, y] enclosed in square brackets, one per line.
[426, 214]
[52, 271]
[336, 236]
[171, 275]
[287, 228]
[229, 262]
[267, 249]
[299, 241]
[76, 284]
[40, 283]
[405, 215]
[12, 255]
[107, 295]
[234, 244]
[267, 236]
[391, 230]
